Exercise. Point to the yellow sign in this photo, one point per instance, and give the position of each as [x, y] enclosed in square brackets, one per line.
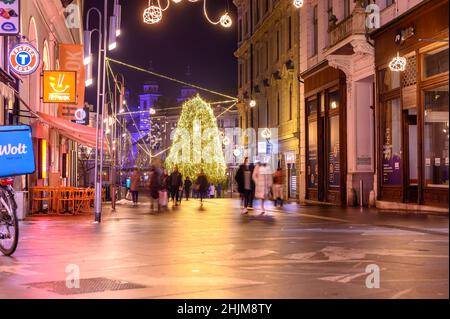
[60, 87]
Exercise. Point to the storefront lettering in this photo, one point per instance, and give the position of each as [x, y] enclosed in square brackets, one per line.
[13, 150]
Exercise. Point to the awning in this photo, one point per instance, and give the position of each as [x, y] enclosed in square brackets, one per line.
[82, 134]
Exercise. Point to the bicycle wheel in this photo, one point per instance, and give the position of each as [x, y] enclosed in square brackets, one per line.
[9, 227]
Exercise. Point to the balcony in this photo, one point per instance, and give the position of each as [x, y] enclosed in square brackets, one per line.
[352, 25]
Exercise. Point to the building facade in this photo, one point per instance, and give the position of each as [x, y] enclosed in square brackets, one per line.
[43, 25]
[268, 61]
[340, 106]
[412, 137]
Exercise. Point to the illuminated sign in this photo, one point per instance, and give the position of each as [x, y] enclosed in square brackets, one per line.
[290, 157]
[24, 59]
[16, 151]
[60, 87]
[9, 17]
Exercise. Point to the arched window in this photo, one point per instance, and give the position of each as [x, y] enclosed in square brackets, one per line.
[33, 88]
[290, 101]
[46, 62]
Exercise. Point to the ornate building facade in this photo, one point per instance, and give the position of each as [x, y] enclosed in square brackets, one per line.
[267, 54]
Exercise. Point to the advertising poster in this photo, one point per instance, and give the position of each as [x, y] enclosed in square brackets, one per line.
[9, 17]
[16, 151]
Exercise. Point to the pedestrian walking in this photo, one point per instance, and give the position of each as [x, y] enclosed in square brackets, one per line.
[219, 190]
[163, 189]
[155, 186]
[134, 186]
[175, 185]
[243, 179]
[212, 191]
[277, 188]
[263, 183]
[187, 187]
[252, 188]
[201, 184]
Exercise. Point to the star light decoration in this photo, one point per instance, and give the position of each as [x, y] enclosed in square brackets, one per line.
[154, 12]
[298, 3]
[398, 64]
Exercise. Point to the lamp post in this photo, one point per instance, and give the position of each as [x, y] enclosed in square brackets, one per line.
[101, 83]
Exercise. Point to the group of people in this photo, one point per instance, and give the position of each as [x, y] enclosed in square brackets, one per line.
[164, 186]
[258, 182]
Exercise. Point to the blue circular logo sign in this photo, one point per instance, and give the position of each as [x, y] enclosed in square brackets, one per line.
[24, 59]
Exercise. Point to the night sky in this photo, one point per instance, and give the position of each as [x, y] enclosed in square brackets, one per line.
[183, 37]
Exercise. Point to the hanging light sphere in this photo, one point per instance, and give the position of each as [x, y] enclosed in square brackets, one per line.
[266, 133]
[252, 103]
[237, 152]
[176, 1]
[226, 141]
[297, 3]
[398, 64]
[152, 15]
[225, 20]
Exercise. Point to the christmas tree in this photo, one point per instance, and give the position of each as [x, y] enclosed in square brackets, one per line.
[196, 143]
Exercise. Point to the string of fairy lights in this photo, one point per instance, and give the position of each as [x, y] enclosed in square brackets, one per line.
[154, 12]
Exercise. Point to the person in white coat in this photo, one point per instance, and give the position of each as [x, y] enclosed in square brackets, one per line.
[262, 177]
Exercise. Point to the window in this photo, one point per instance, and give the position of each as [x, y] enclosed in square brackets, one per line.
[392, 139]
[330, 9]
[316, 32]
[389, 2]
[289, 33]
[435, 62]
[312, 163]
[290, 101]
[436, 136]
[258, 12]
[267, 54]
[240, 30]
[346, 8]
[266, 5]
[278, 109]
[278, 46]
[388, 80]
[267, 114]
[334, 173]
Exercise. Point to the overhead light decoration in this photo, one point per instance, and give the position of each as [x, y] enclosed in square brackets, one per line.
[226, 141]
[298, 3]
[154, 12]
[252, 103]
[225, 20]
[266, 133]
[237, 152]
[398, 64]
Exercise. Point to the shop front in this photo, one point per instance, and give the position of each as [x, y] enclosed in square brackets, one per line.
[412, 108]
[325, 104]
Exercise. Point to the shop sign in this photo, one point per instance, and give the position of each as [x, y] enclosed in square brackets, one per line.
[82, 116]
[71, 58]
[290, 157]
[60, 87]
[24, 59]
[9, 17]
[16, 151]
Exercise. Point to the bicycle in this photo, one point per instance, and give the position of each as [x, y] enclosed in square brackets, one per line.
[9, 225]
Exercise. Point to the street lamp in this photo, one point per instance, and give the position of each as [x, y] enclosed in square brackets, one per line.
[101, 83]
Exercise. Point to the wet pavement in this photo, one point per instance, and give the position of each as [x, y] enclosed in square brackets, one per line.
[215, 252]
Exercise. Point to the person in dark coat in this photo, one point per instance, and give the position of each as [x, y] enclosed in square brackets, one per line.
[187, 187]
[202, 185]
[244, 180]
[155, 186]
[175, 185]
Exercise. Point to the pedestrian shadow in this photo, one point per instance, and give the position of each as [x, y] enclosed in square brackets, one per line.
[268, 219]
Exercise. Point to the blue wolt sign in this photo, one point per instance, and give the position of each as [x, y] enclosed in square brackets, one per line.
[16, 151]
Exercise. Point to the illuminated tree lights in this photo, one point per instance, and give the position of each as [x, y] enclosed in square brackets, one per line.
[154, 12]
[196, 143]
